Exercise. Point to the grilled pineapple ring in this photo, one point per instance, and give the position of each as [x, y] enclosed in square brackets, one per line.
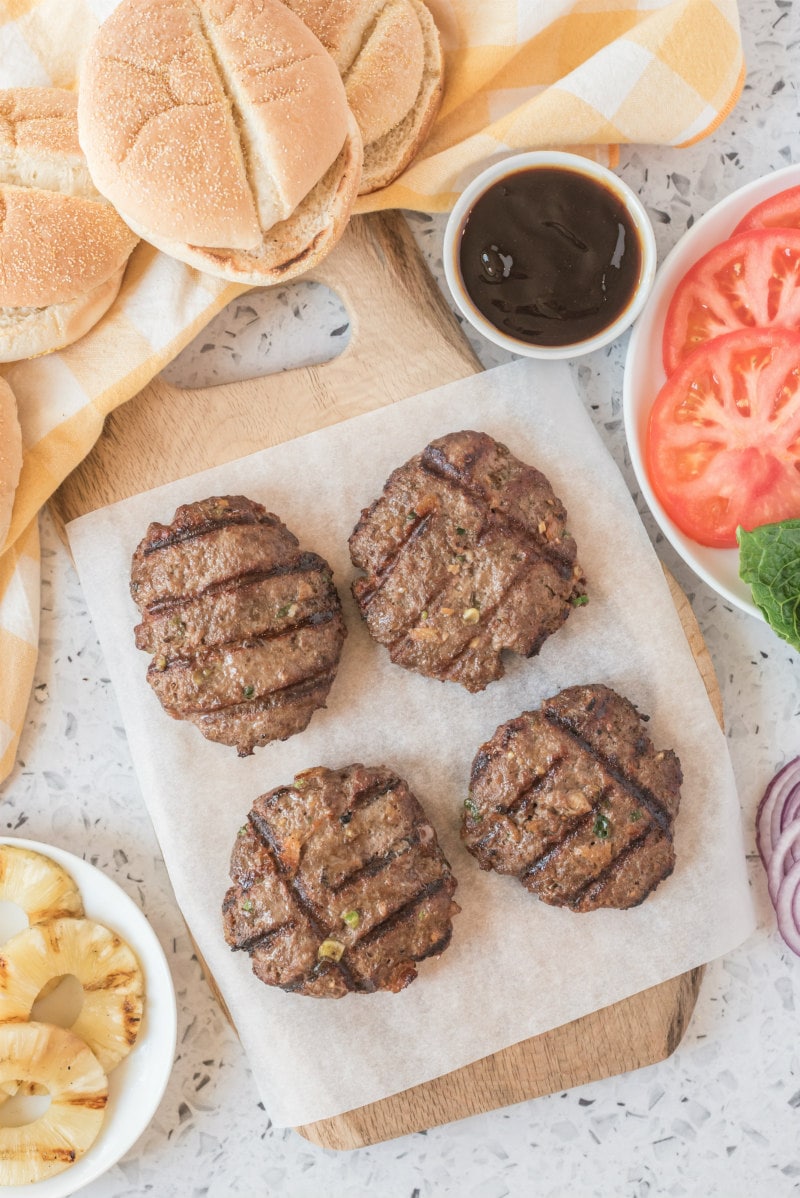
[103, 963]
[59, 1061]
[37, 884]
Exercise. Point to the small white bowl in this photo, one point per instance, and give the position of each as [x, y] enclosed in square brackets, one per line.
[592, 170]
[137, 1084]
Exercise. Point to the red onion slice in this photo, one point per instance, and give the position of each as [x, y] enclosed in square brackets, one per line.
[791, 806]
[790, 813]
[787, 908]
[768, 816]
[781, 853]
[788, 778]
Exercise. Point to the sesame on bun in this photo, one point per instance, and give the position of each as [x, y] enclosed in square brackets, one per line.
[221, 132]
[63, 248]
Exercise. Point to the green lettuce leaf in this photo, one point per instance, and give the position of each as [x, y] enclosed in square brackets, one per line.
[769, 562]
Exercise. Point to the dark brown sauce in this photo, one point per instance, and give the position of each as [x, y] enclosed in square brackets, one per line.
[550, 256]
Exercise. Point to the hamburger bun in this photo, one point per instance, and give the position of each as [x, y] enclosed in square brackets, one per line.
[220, 130]
[10, 456]
[63, 248]
[390, 59]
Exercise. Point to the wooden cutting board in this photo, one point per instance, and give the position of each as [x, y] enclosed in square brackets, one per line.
[404, 340]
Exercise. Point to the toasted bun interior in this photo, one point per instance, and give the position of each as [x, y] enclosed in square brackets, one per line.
[209, 124]
[10, 456]
[389, 55]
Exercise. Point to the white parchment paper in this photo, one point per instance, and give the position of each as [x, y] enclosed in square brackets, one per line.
[515, 967]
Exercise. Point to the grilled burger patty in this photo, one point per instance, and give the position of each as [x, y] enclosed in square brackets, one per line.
[574, 801]
[245, 630]
[465, 554]
[339, 884]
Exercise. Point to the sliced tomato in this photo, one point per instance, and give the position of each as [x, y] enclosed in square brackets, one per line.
[778, 212]
[751, 280]
[723, 442]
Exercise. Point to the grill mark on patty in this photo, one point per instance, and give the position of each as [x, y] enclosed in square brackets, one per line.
[488, 614]
[643, 795]
[314, 620]
[530, 791]
[262, 939]
[608, 873]
[438, 946]
[381, 576]
[277, 698]
[430, 599]
[375, 865]
[574, 820]
[307, 907]
[561, 847]
[264, 833]
[541, 551]
[527, 566]
[402, 914]
[306, 563]
[371, 794]
[200, 530]
[442, 469]
[322, 968]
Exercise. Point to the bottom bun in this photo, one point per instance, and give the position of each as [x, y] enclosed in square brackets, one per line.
[388, 156]
[293, 245]
[10, 456]
[30, 332]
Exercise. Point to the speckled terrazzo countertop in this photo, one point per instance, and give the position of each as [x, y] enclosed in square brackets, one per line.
[719, 1117]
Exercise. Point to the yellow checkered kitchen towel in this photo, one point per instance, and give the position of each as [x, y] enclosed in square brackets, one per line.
[521, 74]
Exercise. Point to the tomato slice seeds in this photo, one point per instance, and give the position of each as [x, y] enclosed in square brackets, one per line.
[752, 280]
[723, 441]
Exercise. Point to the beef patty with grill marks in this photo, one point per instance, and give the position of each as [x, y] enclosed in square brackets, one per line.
[244, 628]
[465, 554]
[339, 884]
[574, 800]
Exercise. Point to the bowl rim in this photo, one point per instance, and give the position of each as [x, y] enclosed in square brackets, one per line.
[718, 568]
[579, 164]
[131, 1107]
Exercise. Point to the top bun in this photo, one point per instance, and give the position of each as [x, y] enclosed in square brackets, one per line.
[209, 124]
[59, 239]
[389, 55]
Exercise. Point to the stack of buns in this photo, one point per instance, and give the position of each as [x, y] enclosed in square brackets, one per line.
[233, 135]
[63, 248]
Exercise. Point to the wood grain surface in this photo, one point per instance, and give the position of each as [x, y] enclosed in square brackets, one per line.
[404, 340]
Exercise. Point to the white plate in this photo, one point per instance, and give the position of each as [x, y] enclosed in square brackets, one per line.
[644, 374]
[137, 1084]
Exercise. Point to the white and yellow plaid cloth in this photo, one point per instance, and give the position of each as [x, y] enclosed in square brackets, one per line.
[521, 74]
